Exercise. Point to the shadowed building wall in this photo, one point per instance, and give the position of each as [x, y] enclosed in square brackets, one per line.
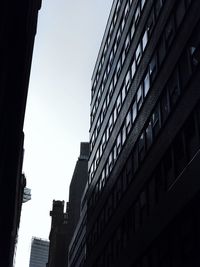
[57, 237]
[18, 23]
[77, 186]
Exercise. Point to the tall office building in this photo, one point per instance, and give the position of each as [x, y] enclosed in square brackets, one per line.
[144, 164]
[77, 185]
[18, 22]
[39, 252]
[64, 224]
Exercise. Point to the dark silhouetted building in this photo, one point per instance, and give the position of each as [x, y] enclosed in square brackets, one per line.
[18, 22]
[39, 252]
[144, 164]
[58, 236]
[77, 246]
[77, 186]
[64, 224]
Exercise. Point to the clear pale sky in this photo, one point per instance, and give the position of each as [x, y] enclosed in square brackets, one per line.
[57, 115]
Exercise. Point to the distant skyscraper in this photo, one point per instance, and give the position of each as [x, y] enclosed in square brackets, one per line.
[39, 252]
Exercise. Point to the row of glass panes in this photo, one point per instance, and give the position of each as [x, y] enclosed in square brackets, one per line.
[161, 112]
[154, 123]
[112, 25]
[114, 49]
[124, 90]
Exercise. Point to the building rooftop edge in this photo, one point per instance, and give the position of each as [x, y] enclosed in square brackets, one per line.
[103, 39]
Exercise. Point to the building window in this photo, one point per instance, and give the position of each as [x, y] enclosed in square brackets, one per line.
[118, 36]
[104, 79]
[146, 84]
[100, 150]
[115, 47]
[110, 161]
[104, 141]
[115, 115]
[123, 56]
[103, 178]
[118, 6]
[134, 111]
[111, 57]
[110, 124]
[115, 79]
[99, 96]
[97, 156]
[133, 69]
[110, 89]
[93, 141]
[142, 3]
[118, 103]
[123, 134]
[107, 99]
[128, 79]
[138, 54]
[118, 67]
[115, 152]
[107, 133]
[132, 29]
[128, 122]
[152, 68]
[137, 14]
[127, 43]
[118, 143]
[144, 40]
[123, 92]
[107, 170]
[98, 124]
[123, 24]
[126, 10]
[139, 98]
